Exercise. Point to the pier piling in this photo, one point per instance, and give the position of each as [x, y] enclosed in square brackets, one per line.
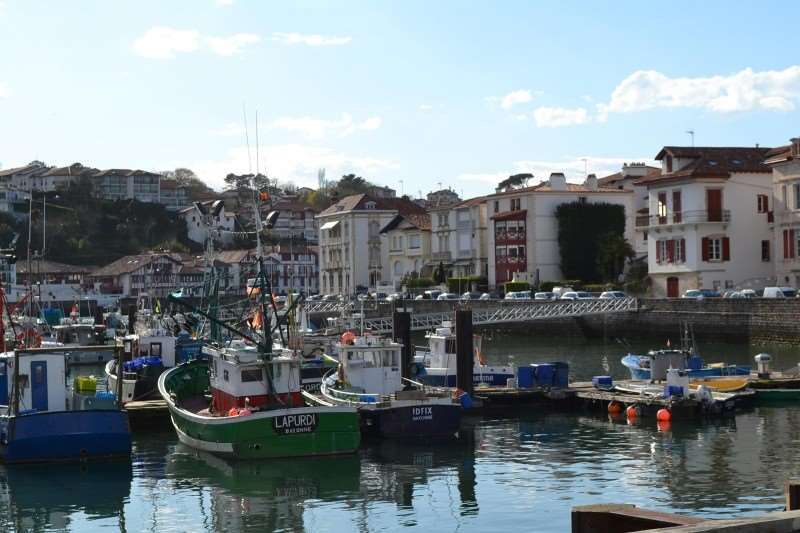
[402, 334]
[464, 350]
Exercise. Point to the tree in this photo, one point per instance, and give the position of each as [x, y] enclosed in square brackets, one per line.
[581, 226]
[187, 178]
[613, 250]
[514, 182]
[637, 280]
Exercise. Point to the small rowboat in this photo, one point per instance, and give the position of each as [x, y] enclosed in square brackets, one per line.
[721, 384]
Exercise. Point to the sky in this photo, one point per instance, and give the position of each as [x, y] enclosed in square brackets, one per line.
[413, 94]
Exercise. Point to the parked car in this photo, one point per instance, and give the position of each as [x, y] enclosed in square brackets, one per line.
[779, 292]
[558, 291]
[432, 294]
[748, 293]
[577, 295]
[394, 296]
[700, 294]
[610, 295]
[314, 298]
[330, 298]
[471, 295]
[518, 295]
[448, 296]
[544, 296]
[485, 296]
[419, 297]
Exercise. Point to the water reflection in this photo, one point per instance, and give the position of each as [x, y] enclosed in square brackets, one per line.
[63, 496]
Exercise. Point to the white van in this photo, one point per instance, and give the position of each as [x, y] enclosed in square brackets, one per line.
[779, 292]
[559, 291]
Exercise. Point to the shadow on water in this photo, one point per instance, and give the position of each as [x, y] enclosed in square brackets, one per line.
[48, 497]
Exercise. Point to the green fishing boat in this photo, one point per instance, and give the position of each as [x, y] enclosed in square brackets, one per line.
[223, 411]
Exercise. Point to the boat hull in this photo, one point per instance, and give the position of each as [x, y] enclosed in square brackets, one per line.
[434, 378]
[774, 396]
[64, 436]
[423, 421]
[295, 432]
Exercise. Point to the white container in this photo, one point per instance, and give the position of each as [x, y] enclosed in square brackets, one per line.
[678, 378]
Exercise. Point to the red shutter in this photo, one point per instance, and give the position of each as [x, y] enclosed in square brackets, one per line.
[791, 244]
[683, 251]
[704, 248]
[726, 249]
[676, 206]
[785, 244]
[658, 251]
[671, 251]
[766, 203]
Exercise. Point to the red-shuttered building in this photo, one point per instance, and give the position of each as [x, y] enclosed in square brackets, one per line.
[709, 222]
[785, 212]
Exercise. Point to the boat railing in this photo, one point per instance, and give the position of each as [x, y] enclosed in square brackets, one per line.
[429, 389]
[346, 396]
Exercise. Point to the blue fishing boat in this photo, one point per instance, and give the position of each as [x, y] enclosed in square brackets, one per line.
[642, 367]
[41, 420]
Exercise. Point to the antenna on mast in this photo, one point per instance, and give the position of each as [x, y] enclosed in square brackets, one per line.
[691, 132]
[258, 167]
[247, 140]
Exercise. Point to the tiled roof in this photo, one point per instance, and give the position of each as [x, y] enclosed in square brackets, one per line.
[51, 267]
[27, 169]
[129, 263]
[611, 180]
[545, 187]
[234, 256]
[357, 202]
[779, 154]
[711, 162]
[76, 169]
[421, 221]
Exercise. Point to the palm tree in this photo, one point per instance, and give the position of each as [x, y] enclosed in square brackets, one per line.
[613, 250]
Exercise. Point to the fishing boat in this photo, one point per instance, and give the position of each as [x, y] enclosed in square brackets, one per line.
[369, 378]
[256, 409]
[248, 403]
[641, 367]
[146, 357]
[436, 365]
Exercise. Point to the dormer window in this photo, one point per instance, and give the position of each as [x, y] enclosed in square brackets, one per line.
[369, 205]
[669, 163]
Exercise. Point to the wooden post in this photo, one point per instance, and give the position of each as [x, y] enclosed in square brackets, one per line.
[401, 324]
[792, 492]
[464, 350]
[120, 373]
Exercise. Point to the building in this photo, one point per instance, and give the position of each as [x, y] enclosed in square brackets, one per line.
[458, 238]
[408, 239]
[784, 213]
[352, 255]
[296, 220]
[172, 195]
[17, 183]
[207, 217]
[59, 178]
[153, 274]
[708, 221]
[378, 191]
[443, 197]
[523, 229]
[51, 272]
[628, 179]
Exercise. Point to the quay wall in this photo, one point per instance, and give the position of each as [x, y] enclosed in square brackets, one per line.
[758, 320]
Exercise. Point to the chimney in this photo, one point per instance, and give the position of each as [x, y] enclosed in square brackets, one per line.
[590, 182]
[796, 147]
[558, 182]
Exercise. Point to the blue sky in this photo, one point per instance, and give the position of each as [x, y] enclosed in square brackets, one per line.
[462, 93]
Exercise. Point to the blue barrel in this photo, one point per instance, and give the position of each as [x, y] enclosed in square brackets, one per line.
[525, 377]
[560, 375]
[544, 374]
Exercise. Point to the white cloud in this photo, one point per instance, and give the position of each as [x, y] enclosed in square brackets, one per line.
[316, 128]
[288, 162]
[553, 117]
[4, 90]
[228, 46]
[746, 90]
[161, 42]
[572, 167]
[425, 107]
[223, 3]
[311, 39]
[231, 129]
[520, 96]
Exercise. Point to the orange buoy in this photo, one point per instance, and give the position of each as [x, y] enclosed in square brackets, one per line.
[614, 408]
[664, 415]
[664, 425]
[631, 411]
[233, 411]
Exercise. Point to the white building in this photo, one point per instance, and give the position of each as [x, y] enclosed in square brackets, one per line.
[207, 217]
[459, 239]
[296, 220]
[708, 220]
[352, 255]
[408, 239]
[784, 213]
[442, 198]
[523, 229]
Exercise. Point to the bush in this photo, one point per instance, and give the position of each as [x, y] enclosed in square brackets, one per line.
[599, 287]
[420, 283]
[464, 284]
[516, 286]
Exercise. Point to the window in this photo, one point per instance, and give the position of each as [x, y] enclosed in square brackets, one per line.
[155, 349]
[669, 163]
[516, 204]
[680, 253]
[783, 197]
[762, 201]
[765, 256]
[662, 208]
[796, 189]
[496, 206]
[225, 375]
[252, 374]
[789, 243]
[661, 251]
[414, 241]
[645, 236]
[715, 251]
[676, 207]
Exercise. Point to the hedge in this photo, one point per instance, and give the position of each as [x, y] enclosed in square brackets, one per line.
[418, 283]
[516, 286]
[580, 228]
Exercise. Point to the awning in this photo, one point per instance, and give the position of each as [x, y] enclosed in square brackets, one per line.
[329, 225]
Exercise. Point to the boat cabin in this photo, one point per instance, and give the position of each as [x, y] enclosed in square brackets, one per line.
[442, 347]
[370, 364]
[238, 379]
[80, 332]
[42, 378]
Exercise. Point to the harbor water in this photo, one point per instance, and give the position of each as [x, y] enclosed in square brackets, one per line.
[503, 473]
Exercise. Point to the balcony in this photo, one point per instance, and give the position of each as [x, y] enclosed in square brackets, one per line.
[440, 256]
[788, 217]
[466, 253]
[509, 237]
[702, 216]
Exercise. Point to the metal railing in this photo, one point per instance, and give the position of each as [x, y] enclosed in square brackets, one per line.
[700, 216]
